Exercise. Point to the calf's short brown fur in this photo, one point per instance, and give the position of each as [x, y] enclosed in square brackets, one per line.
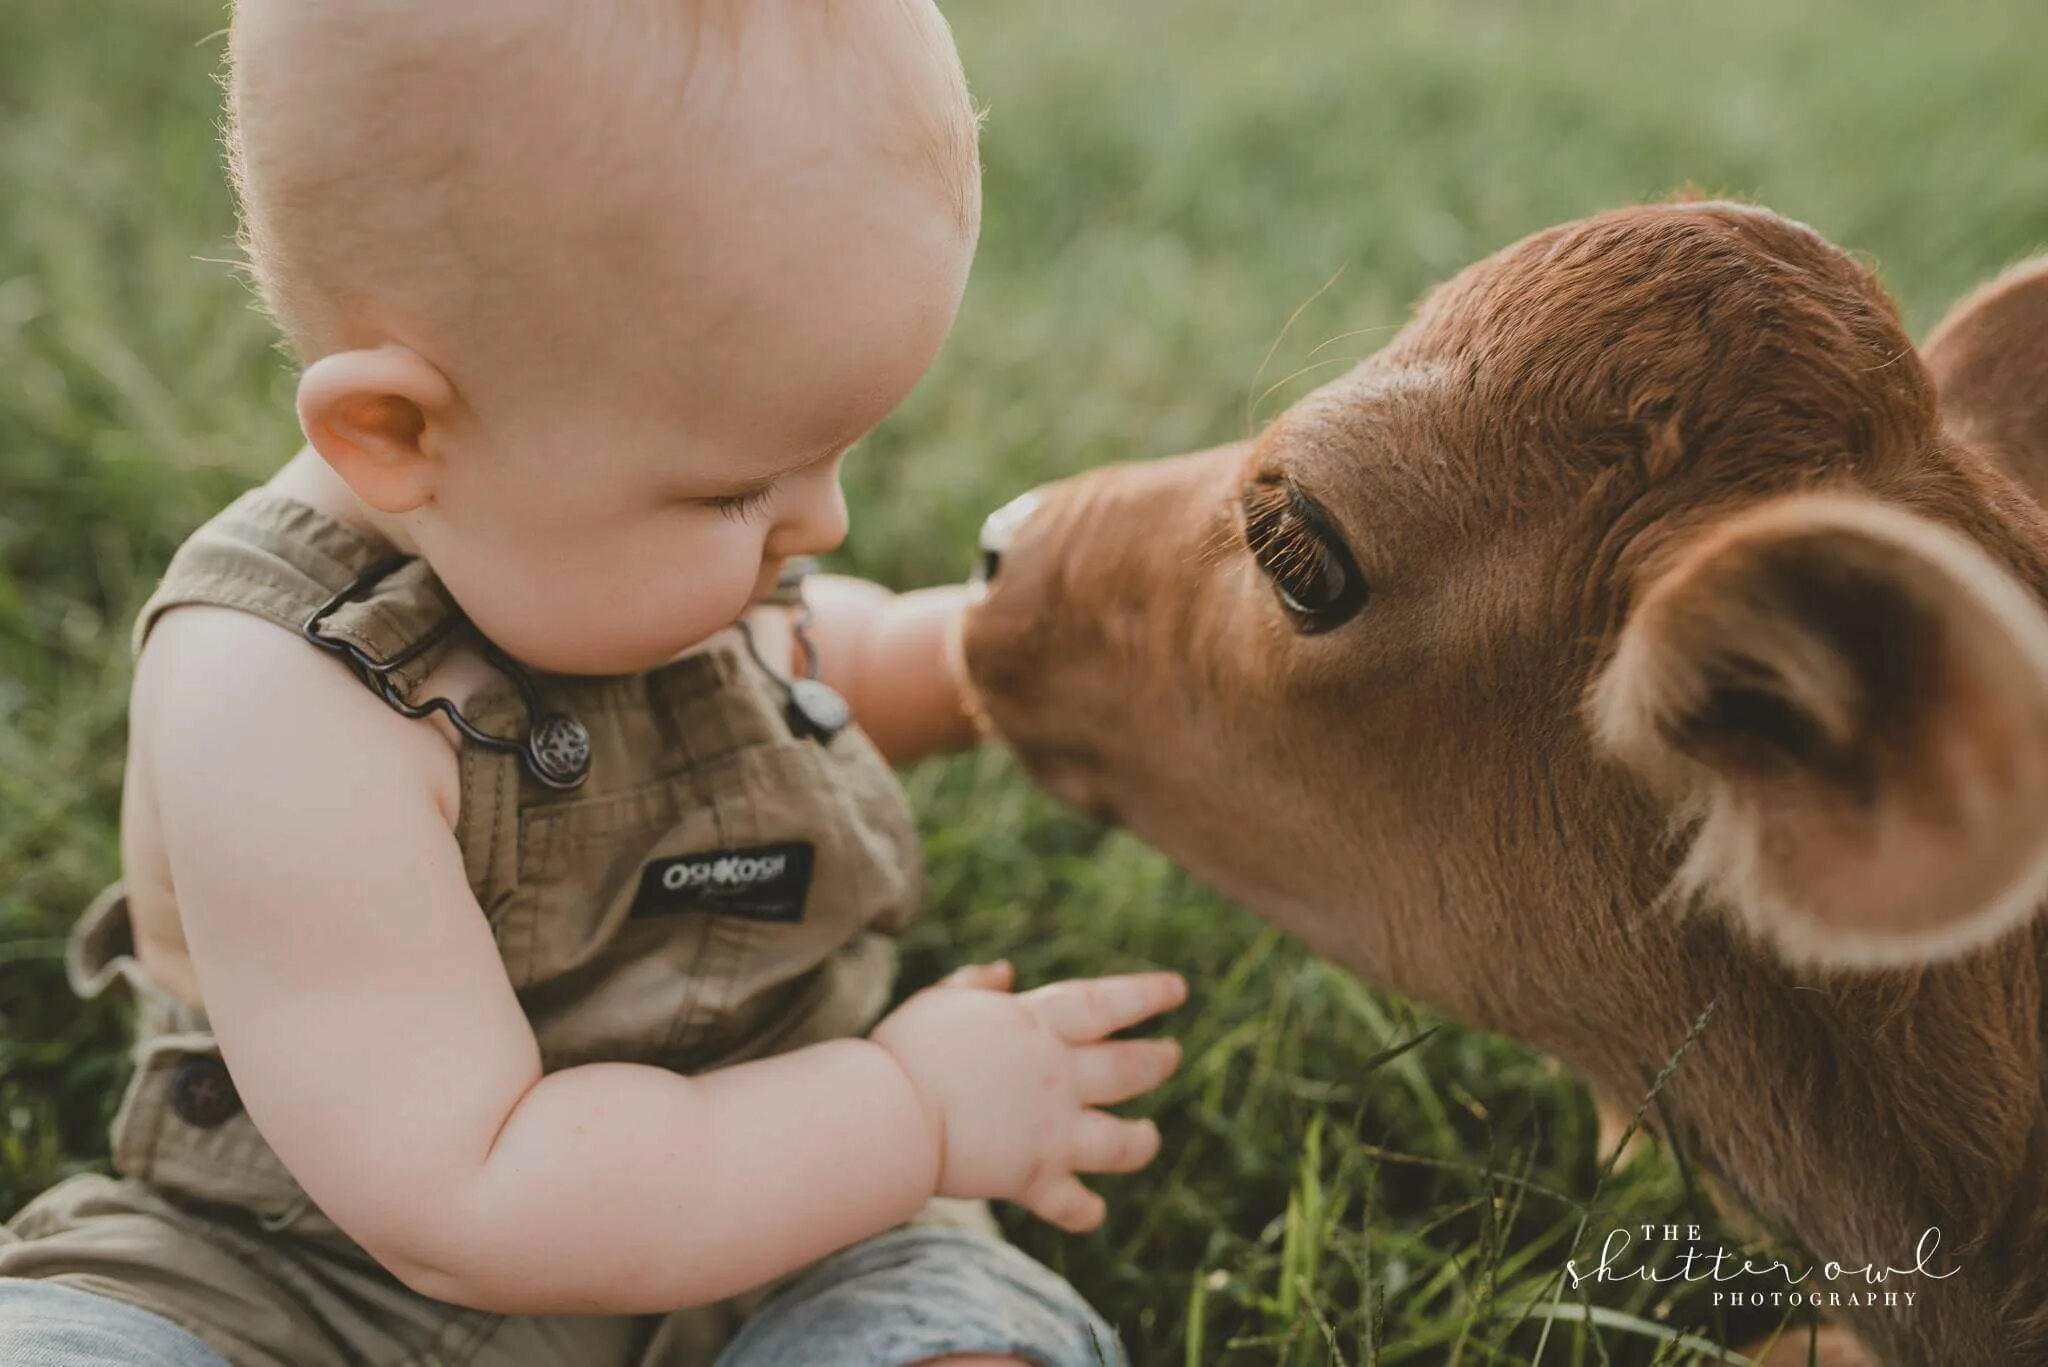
[1704, 661]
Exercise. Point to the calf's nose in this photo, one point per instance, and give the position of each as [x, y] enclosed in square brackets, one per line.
[998, 531]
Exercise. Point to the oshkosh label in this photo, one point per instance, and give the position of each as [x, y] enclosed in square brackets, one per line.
[765, 883]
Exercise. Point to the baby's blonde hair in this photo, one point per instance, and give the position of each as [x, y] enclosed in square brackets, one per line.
[367, 140]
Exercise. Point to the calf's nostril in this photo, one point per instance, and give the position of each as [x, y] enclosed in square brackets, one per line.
[997, 532]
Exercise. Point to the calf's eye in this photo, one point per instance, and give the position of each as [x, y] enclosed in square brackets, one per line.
[1303, 556]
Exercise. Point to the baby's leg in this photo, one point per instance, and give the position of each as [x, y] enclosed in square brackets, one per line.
[49, 1324]
[926, 1295]
[95, 1259]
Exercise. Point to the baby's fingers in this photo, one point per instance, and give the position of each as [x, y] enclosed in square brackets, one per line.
[1105, 1074]
[1108, 1143]
[995, 977]
[1060, 1199]
[1084, 1009]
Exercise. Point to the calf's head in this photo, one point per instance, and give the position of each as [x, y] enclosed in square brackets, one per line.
[1637, 574]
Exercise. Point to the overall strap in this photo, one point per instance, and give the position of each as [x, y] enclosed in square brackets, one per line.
[282, 560]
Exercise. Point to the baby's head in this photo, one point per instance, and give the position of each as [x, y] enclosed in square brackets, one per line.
[593, 297]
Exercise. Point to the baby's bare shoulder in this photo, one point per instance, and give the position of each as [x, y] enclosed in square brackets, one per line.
[223, 698]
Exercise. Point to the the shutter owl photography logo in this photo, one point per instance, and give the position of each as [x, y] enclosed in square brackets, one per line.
[1678, 1252]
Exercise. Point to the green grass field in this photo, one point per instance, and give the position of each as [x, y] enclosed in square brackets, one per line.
[1166, 181]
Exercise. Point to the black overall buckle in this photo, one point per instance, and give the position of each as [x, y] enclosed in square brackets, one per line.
[555, 747]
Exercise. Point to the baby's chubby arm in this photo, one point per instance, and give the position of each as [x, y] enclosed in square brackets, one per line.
[368, 1022]
[889, 655]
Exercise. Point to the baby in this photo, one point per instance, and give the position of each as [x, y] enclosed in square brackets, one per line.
[509, 893]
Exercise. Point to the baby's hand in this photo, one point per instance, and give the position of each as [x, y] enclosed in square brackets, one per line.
[1010, 1083]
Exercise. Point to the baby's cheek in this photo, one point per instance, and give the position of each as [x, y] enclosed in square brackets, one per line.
[614, 602]
[684, 601]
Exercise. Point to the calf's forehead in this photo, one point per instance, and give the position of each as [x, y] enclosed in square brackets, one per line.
[1696, 345]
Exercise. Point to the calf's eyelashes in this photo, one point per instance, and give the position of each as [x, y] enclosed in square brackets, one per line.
[1303, 555]
[1852, 702]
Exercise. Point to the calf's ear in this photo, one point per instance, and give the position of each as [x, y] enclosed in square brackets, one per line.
[1851, 702]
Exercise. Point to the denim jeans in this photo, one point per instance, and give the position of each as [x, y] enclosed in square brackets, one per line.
[902, 1297]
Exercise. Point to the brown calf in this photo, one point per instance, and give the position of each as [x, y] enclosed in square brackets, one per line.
[1649, 625]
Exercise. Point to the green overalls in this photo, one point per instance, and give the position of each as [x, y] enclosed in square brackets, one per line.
[719, 888]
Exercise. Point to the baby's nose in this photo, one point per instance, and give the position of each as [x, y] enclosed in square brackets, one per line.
[999, 530]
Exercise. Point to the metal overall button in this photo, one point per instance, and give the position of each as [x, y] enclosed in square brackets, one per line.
[555, 748]
[202, 1093]
[560, 750]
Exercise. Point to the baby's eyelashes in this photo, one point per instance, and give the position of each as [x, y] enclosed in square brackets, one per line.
[745, 504]
[741, 507]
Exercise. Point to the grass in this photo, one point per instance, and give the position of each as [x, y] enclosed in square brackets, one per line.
[1345, 1179]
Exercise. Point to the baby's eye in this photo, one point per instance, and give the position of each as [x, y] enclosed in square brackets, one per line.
[741, 507]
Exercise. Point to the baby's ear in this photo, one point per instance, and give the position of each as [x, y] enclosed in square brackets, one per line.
[369, 414]
[1853, 702]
